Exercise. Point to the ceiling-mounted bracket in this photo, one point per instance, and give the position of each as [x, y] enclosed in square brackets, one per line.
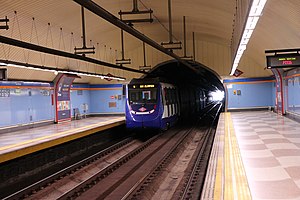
[188, 58]
[139, 15]
[185, 57]
[145, 68]
[171, 45]
[5, 20]
[84, 50]
[125, 61]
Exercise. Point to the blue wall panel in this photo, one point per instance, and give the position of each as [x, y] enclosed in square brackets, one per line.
[20, 106]
[296, 93]
[78, 98]
[31, 102]
[273, 93]
[25, 103]
[290, 95]
[41, 105]
[293, 94]
[5, 111]
[252, 95]
[100, 100]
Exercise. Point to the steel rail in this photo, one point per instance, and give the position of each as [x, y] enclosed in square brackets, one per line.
[137, 191]
[95, 178]
[194, 183]
[141, 185]
[42, 183]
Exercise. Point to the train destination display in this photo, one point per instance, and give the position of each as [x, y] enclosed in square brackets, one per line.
[283, 60]
[142, 86]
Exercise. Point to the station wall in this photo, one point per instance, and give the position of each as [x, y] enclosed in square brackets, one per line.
[250, 93]
[101, 99]
[107, 99]
[80, 95]
[25, 103]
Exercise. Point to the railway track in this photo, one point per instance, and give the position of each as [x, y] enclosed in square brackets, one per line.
[195, 178]
[50, 181]
[133, 169]
[183, 177]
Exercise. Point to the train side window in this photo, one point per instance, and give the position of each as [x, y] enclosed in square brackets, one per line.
[167, 96]
[163, 94]
[172, 96]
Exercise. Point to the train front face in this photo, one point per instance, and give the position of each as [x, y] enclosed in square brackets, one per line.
[143, 106]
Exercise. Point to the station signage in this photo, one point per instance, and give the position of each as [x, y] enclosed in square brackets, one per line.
[283, 60]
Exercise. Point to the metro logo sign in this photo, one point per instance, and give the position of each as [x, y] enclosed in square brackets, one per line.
[142, 109]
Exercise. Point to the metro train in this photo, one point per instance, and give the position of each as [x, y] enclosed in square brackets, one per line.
[151, 103]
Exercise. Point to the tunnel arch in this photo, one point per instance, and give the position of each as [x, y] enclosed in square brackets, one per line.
[177, 73]
[195, 83]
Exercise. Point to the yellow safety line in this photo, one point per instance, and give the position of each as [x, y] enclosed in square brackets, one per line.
[228, 188]
[236, 184]
[218, 189]
[81, 132]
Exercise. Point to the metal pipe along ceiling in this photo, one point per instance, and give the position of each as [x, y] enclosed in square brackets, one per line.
[101, 12]
[47, 50]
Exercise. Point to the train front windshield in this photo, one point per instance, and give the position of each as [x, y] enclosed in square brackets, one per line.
[142, 94]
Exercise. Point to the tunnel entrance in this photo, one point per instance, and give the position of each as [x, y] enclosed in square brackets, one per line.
[198, 85]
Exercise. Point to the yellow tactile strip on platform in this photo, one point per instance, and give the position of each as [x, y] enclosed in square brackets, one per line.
[235, 179]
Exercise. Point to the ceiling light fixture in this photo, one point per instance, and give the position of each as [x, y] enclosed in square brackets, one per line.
[253, 17]
[56, 71]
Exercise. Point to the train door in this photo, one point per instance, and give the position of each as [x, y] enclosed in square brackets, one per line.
[168, 101]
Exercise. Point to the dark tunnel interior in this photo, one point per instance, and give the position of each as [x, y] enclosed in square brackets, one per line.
[196, 84]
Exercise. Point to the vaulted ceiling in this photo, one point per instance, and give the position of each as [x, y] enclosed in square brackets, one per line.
[211, 21]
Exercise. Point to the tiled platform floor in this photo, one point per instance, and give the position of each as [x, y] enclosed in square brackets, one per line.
[270, 150]
[19, 140]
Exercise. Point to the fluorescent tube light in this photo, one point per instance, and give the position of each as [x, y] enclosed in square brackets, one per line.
[56, 71]
[254, 14]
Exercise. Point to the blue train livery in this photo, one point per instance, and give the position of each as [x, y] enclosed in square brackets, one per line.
[151, 103]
